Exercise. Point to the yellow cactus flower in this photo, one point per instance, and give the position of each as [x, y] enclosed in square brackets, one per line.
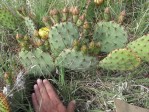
[44, 33]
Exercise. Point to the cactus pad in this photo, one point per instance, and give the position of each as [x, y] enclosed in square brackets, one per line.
[141, 47]
[75, 60]
[4, 105]
[7, 19]
[30, 25]
[62, 36]
[121, 59]
[111, 36]
[37, 62]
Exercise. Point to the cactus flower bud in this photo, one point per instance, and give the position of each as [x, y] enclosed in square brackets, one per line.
[84, 49]
[38, 42]
[92, 45]
[94, 48]
[26, 38]
[81, 20]
[19, 37]
[8, 78]
[71, 9]
[46, 20]
[121, 17]
[98, 44]
[98, 2]
[86, 25]
[76, 44]
[54, 12]
[75, 11]
[86, 28]
[6, 75]
[107, 10]
[46, 46]
[75, 14]
[65, 10]
[55, 16]
[123, 13]
[65, 13]
[36, 33]
[107, 15]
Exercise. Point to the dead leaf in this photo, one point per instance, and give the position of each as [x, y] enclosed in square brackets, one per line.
[122, 106]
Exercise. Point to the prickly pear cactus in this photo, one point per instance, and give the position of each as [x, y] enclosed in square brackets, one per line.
[141, 47]
[62, 36]
[111, 36]
[75, 60]
[120, 59]
[4, 105]
[36, 61]
[7, 19]
[28, 20]
[30, 25]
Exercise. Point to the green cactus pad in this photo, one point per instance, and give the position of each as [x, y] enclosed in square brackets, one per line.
[111, 36]
[30, 25]
[4, 105]
[141, 47]
[62, 36]
[36, 61]
[7, 19]
[74, 60]
[121, 59]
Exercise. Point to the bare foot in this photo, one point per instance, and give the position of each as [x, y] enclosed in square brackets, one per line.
[46, 100]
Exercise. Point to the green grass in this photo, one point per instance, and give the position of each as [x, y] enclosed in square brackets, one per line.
[137, 15]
